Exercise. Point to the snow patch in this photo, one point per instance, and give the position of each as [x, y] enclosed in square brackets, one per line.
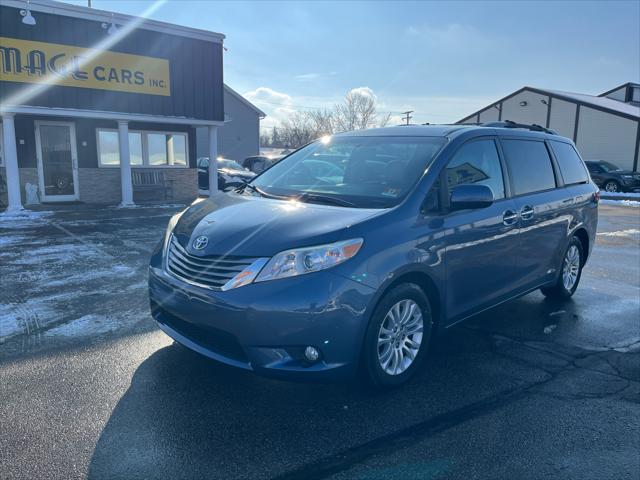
[549, 328]
[87, 325]
[622, 195]
[624, 203]
[630, 232]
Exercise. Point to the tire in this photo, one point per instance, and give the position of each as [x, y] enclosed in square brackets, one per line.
[381, 350]
[570, 273]
[611, 186]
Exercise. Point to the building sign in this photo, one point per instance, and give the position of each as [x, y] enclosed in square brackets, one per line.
[36, 62]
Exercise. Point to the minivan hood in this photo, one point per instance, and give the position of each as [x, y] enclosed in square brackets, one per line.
[261, 227]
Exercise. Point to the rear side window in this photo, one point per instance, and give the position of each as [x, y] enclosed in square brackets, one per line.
[477, 162]
[530, 166]
[571, 166]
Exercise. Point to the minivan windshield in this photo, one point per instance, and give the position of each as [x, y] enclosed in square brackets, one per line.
[364, 172]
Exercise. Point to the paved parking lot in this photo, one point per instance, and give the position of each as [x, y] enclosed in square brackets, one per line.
[90, 387]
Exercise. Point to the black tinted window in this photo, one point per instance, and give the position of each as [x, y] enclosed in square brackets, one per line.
[570, 164]
[593, 168]
[530, 165]
[477, 162]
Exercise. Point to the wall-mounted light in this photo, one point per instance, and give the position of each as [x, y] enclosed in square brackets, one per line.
[543, 101]
[523, 103]
[27, 18]
[111, 28]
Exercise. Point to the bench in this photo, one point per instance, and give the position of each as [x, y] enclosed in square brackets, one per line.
[152, 181]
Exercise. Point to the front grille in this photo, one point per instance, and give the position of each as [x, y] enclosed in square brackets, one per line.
[212, 271]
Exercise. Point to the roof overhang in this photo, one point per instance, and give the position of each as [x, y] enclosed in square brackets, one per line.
[77, 11]
[105, 115]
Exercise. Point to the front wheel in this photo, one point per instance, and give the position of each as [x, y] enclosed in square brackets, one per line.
[570, 273]
[398, 336]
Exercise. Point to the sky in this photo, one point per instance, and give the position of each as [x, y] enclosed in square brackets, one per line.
[444, 60]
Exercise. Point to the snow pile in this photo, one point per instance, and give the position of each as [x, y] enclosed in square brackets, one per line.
[621, 233]
[621, 195]
[625, 203]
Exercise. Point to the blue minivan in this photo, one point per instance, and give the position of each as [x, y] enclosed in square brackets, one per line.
[348, 254]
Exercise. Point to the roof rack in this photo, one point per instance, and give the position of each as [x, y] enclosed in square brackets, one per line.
[511, 124]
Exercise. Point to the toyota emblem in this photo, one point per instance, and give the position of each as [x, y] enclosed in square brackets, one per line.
[200, 242]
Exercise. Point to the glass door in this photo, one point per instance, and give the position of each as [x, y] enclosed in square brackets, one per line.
[57, 161]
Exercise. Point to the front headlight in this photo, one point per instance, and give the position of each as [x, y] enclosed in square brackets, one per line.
[306, 260]
[627, 177]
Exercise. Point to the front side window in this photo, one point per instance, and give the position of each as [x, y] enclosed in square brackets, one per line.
[149, 149]
[477, 162]
[570, 163]
[366, 172]
[530, 166]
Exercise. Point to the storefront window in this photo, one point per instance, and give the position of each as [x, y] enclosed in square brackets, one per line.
[152, 149]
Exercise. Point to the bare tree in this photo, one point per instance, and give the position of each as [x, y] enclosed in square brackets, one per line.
[297, 130]
[358, 112]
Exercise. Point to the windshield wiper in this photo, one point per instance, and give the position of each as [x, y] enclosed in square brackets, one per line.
[325, 199]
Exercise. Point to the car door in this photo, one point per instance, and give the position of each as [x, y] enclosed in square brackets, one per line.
[541, 206]
[481, 245]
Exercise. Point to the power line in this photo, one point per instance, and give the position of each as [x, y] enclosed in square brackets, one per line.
[407, 116]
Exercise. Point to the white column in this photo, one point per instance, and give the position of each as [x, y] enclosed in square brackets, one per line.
[125, 163]
[11, 162]
[213, 162]
[170, 157]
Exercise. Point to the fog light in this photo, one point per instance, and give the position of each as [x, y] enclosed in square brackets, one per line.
[311, 354]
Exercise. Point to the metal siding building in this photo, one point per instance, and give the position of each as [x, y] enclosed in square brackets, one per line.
[81, 89]
[604, 127]
[240, 136]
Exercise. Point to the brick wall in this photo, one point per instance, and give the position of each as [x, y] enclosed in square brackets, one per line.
[102, 185]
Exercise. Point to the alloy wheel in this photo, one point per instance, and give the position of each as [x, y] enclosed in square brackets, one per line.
[400, 337]
[571, 267]
[611, 187]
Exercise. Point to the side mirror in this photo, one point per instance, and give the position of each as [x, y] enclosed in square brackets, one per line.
[470, 196]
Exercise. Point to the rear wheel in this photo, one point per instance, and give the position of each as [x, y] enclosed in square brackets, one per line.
[397, 337]
[571, 271]
[612, 186]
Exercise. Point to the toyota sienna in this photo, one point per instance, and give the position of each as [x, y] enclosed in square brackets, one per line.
[346, 256]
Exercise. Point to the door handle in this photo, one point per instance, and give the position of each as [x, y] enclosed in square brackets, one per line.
[509, 217]
[527, 212]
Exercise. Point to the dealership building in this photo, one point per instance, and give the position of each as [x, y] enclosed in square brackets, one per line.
[100, 107]
[604, 126]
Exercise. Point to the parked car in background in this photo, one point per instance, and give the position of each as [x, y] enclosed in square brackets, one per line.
[611, 178]
[257, 164]
[230, 174]
[346, 256]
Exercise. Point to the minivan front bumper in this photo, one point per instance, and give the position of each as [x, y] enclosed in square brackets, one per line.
[265, 327]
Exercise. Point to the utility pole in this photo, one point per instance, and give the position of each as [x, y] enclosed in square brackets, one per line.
[407, 116]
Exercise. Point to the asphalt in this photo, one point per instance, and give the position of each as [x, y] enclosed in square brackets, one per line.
[90, 388]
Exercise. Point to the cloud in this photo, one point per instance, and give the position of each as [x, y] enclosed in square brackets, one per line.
[277, 105]
[266, 94]
[307, 76]
[365, 91]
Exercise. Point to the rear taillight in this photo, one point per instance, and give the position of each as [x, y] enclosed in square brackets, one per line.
[596, 197]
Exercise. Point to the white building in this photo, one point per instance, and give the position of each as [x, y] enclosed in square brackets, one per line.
[239, 138]
[604, 127]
